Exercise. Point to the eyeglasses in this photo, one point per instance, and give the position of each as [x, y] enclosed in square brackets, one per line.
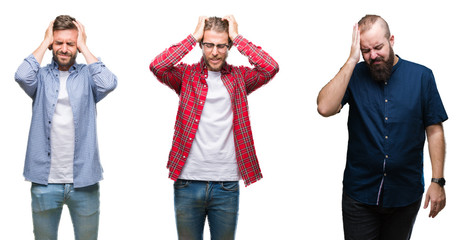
[221, 48]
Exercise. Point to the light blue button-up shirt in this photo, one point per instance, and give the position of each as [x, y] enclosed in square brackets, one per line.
[86, 86]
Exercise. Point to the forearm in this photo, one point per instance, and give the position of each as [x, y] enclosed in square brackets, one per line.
[265, 67]
[163, 64]
[261, 60]
[330, 97]
[40, 51]
[89, 57]
[437, 149]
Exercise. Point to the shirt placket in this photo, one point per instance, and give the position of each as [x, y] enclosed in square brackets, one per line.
[51, 109]
[199, 106]
[386, 138]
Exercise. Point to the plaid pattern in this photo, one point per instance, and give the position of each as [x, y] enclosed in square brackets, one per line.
[189, 83]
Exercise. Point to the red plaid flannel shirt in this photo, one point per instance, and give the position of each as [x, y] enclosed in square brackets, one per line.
[189, 83]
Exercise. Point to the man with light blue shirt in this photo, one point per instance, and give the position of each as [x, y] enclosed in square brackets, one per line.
[62, 158]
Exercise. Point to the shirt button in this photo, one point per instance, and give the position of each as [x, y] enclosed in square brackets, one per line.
[201, 102]
[386, 118]
[387, 156]
[385, 174]
[385, 100]
[196, 120]
[386, 137]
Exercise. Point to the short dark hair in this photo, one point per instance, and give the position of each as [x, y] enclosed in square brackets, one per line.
[369, 20]
[64, 22]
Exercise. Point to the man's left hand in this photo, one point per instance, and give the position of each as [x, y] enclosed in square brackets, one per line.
[233, 26]
[436, 195]
[81, 41]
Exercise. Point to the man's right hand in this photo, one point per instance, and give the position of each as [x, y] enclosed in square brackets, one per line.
[46, 43]
[355, 50]
[199, 30]
[330, 97]
[49, 36]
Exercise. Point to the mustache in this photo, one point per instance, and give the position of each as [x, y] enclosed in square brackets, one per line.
[378, 59]
[59, 52]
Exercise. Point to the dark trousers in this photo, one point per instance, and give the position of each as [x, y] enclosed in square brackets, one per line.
[368, 222]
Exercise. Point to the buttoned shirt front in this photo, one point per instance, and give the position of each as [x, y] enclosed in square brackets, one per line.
[189, 83]
[86, 86]
[386, 125]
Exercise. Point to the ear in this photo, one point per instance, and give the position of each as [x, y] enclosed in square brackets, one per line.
[201, 41]
[391, 40]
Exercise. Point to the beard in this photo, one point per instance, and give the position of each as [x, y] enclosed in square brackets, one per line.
[64, 64]
[381, 72]
[218, 67]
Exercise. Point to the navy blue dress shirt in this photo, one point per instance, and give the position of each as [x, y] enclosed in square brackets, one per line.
[386, 125]
[86, 85]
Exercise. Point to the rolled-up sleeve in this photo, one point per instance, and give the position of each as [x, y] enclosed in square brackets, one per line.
[103, 80]
[26, 75]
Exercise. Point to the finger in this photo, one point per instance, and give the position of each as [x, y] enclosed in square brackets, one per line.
[202, 19]
[427, 200]
[434, 210]
[78, 25]
[228, 18]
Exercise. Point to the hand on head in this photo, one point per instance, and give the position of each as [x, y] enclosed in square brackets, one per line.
[49, 35]
[232, 26]
[81, 41]
[355, 50]
[199, 30]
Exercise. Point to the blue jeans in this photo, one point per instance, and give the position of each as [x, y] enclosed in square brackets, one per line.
[47, 204]
[362, 221]
[196, 200]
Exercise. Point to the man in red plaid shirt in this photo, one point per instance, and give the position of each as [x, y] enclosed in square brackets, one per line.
[213, 147]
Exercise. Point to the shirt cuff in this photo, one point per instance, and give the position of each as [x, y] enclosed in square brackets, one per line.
[96, 67]
[33, 62]
[238, 40]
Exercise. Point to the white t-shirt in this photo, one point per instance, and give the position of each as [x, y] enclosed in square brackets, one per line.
[62, 136]
[212, 156]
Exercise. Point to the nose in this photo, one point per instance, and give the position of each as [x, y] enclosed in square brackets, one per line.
[214, 51]
[374, 54]
[63, 48]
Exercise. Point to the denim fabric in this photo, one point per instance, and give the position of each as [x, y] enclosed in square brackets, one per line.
[362, 221]
[196, 200]
[47, 204]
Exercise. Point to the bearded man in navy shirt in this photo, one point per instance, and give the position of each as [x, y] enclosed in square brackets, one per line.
[393, 105]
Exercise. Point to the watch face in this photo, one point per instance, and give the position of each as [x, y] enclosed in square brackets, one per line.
[440, 181]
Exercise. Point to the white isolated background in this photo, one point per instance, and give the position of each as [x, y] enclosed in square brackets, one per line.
[302, 155]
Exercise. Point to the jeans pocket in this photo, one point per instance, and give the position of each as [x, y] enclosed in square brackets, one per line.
[230, 186]
[179, 184]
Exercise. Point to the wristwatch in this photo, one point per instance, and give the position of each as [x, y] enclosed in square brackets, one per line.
[440, 181]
